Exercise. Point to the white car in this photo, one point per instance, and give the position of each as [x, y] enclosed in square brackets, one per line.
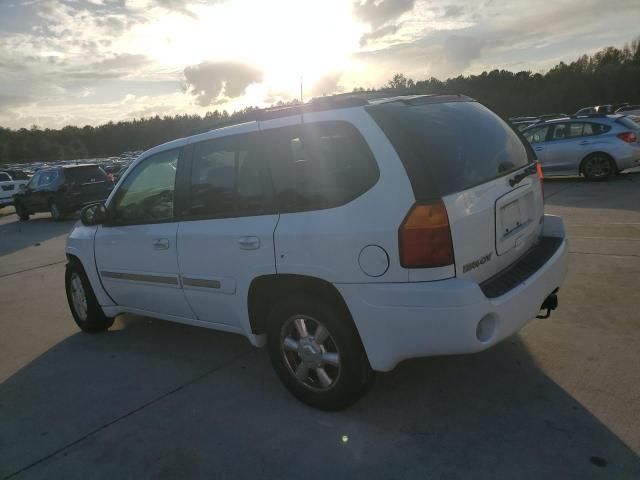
[8, 188]
[344, 234]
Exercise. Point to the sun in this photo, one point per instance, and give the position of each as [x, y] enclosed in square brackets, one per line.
[285, 39]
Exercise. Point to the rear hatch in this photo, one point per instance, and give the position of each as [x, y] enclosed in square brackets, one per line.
[88, 183]
[457, 150]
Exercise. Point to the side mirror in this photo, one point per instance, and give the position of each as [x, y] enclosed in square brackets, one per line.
[94, 214]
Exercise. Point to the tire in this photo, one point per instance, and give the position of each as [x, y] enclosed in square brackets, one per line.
[21, 211]
[598, 167]
[56, 213]
[88, 314]
[346, 375]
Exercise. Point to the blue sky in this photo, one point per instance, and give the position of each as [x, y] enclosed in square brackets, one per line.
[90, 61]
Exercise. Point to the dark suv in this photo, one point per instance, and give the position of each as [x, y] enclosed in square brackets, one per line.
[62, 190]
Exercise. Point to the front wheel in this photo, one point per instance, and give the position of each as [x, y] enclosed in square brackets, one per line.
[598, 167]
[21, 211]
[316, 351]
[82, 301]
[56, 213]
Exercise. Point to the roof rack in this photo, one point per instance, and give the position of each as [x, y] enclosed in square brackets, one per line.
[344, 100]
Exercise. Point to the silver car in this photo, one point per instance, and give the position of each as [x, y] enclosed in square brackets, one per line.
[596, 146]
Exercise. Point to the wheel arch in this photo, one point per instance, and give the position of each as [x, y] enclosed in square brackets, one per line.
[266, 290]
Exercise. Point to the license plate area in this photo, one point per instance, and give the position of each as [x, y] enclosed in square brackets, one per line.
[514, 220]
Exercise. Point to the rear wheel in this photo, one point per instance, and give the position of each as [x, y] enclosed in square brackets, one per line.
[598, 166]
[21, 211]
[82, 301]
[316, 351]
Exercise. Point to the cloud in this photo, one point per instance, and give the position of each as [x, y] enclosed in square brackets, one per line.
[178, 6]
[217, 82]
[8, 101]
[453, 11]
[379, 33]
[377, 13]
[326, 85]
[117, 66]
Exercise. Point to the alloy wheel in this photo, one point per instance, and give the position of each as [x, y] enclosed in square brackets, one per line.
[310, 352]
[597, 167]
[78, 296]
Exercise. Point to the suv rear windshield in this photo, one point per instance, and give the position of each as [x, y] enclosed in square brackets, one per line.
[451, 146]
[88, 174]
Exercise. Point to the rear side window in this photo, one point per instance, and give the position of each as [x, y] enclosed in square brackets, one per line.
[536, 135]
[319, 165]
[229, 177]
[595, 129]
[88, 174]
[449, 147]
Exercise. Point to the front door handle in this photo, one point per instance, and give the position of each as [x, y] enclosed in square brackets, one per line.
[585, 142]
[249, 243]
[538, 149]
[160, 244]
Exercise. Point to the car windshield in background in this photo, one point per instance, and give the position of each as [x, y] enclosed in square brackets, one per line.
[88, 174]
[627, 122]
[450, 147]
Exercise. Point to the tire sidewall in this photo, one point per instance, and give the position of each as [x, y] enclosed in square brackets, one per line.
[355, 375]
[96, 320]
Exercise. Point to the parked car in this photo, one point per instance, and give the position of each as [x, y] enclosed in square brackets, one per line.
[594, 146]
[8, 186]
[346, 235]
[62, 190]
[632, 111]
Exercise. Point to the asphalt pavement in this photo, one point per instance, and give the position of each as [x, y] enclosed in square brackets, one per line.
[152, 399]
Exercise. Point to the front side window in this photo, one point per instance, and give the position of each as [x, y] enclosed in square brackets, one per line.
[33, 183]
[319, 165]
[147, 194]
[560, 131]
[228, 178]
[4, 177]
[536, 135]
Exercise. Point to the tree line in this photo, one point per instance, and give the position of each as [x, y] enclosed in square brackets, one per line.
[612, 75]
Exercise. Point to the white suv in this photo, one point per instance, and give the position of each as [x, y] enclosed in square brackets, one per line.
[347, 235]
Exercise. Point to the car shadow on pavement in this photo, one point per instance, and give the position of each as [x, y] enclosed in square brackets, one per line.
[159, 400]
[619, 192]
[16, 235]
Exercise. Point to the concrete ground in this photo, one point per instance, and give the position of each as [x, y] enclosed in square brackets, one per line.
[151, 399]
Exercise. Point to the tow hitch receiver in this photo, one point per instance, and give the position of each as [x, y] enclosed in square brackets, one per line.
[550, 303]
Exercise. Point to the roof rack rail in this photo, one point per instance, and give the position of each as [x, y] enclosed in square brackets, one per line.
[318, 104]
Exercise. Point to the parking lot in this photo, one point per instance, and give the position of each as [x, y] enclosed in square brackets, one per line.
[151, 399]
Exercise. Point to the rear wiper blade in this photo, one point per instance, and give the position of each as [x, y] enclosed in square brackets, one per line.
[521, 175]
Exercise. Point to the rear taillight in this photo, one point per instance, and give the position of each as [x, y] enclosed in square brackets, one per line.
[628, 137]
[425, 237]
[541, 177]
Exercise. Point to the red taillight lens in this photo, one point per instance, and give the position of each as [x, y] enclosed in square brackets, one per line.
[628, 137]
[541, 177]
[425, 237]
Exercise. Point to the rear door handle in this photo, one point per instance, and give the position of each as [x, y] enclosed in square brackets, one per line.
[249, 243]
[160, 244]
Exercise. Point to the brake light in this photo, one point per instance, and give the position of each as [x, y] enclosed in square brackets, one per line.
[628, 137]
[424, 237]
[541, 177]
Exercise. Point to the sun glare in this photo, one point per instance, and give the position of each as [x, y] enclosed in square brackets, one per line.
[285, 39]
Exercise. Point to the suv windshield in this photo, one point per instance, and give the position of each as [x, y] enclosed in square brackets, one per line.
[451, 146]
[87, 174]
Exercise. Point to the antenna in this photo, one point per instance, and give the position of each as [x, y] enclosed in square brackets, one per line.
[301, 97]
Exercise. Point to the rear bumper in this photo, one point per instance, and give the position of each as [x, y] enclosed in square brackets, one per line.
[397, 321]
